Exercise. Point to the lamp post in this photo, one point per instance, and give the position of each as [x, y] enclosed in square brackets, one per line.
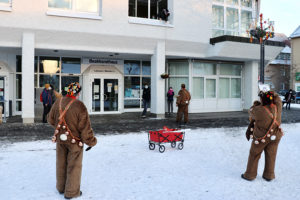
[263, 32]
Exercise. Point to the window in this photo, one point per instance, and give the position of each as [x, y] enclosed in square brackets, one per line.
[210, 88]
[5, 5]
[231, 17]
[230, 69]
[136, 75]
[179, 74]
[70, 65]
[74, 8]
[147, 8]
[224, 88]
[230, 81]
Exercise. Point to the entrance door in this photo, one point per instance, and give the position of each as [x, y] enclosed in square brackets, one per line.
[105, 95]
[2, 93]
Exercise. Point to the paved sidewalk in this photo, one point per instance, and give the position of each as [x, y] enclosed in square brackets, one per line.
[14, 130]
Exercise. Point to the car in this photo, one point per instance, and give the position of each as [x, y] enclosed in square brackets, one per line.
[297, 99]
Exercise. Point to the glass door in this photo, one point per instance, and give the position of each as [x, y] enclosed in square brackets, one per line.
[110, 95]
[96, 95]
[2, 99]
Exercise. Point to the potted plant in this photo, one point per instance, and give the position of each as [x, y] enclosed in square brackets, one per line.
[164, 75]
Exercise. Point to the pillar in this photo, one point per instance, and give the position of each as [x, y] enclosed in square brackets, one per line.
[28, 78]
[250, 89]
[158, 61]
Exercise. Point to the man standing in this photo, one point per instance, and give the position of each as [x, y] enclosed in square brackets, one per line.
[47, 99]
[183, 101]
[72, 125]
[146, 99]
[288, 98]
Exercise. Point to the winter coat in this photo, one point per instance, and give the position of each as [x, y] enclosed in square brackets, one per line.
[262, 117]
[288, 97]
[170, 95]
[146, 94]
[47, 97]
[183, 98]
[77, 119]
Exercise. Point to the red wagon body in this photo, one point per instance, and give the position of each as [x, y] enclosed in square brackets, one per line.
[166, 135]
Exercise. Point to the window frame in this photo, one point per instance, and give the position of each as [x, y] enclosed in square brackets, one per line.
[240, 8]
[6, 6]
[73, 13]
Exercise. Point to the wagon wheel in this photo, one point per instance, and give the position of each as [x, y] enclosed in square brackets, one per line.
[180, 146]
[151, 146]
[173, 144]
[161, 148]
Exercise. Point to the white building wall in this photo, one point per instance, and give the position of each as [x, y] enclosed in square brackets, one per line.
[250, 89]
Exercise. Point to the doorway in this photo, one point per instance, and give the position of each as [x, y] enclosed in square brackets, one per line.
[105, 95]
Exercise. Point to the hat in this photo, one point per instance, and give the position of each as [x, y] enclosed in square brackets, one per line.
[74, 89]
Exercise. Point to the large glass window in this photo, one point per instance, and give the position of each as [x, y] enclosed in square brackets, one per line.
[137, 75]
[198, 87]
[230, 69]
[147, 8]
[235, 20]
[235, 88]
[70, 65]
[51, 79]
[224, 88]
[49, 65]
[86, 6]
[179, 72]
[210, 88]
[200, 68]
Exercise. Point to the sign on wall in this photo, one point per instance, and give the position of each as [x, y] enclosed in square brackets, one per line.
[100, 61]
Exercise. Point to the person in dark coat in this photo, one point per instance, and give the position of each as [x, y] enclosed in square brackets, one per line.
[266, 134]
[288, 98]
[170, 96]
[146, 99]
[47, 101]
[73, 129]
[183, 101]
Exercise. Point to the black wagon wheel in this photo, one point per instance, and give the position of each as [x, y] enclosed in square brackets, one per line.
[173, 144]
[151, 146]
[180, 146]
[161, 148]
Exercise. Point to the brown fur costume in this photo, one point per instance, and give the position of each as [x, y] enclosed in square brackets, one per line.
[182, 102]
[68, 155]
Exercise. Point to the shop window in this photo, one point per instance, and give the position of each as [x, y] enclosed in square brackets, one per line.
[71, 65]
[230, 69]
[49, 65]
[146, 68]
[179, 68]
[132, 87]
[198, 87]
[200, 68]
[79, 6]
[179, 73]
[18, 86]
[210, 88]
[151, 9]
[132, 68]
[235, 88]
[246, 3]
[51, 79]
[224, 88]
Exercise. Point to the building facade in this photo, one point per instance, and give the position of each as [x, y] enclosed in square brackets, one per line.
[114, 48]
[277, 72]
[295, 71]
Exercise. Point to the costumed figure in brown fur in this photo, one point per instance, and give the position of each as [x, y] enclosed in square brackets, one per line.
[72, 125]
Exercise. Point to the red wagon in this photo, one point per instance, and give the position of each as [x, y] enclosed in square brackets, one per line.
[166, 135]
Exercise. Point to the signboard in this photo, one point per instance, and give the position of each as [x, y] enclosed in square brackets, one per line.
[297, 76]
[100, 61]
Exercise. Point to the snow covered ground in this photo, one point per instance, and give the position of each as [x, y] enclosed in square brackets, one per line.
[121, 167]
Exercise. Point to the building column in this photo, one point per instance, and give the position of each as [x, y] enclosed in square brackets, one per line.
[250, 89]
[28, 78]
[158, 62]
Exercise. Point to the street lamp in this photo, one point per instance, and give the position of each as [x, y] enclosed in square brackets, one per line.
[263, 32]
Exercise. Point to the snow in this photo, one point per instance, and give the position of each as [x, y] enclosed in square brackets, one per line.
[121, 167]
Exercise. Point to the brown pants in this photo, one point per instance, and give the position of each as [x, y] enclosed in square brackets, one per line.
[68, 169]
[183, 109]
[270, 149]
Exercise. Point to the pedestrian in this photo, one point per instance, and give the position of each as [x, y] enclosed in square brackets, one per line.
[266, 135]
[170, 96]
[183, 101]
[46, 98]
[72, 125]
[146, 99]
[288, 98]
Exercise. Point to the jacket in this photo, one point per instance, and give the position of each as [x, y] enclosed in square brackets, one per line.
[77, 119]
[47, 97]
[146, 94]
[170, 95]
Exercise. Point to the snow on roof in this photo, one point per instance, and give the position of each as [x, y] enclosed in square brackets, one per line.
[287, 49]
[280, 37]
[296, 33]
